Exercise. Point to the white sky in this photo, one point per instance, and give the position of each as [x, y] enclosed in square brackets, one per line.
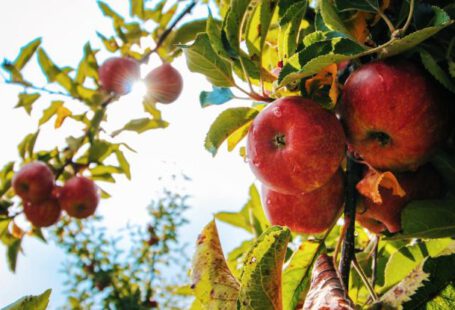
[219, 183]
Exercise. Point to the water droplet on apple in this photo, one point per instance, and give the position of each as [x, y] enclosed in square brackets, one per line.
[277, 112]
[256, 163]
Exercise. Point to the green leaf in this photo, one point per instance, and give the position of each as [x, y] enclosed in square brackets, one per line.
[445, 164]
[50, 111]
[39, 302]
[444, 300]
[436, 71]
[428, 219]
[413, 39]
[137, 8]
[236, 257]
[237, 219]
[99, 150]
[27, 145]
[141, 125]
[88, 67]
[12, 252]
[6, 176]
[261, 276]
[402, 262]
[232, 25]
[201, 58]
[258, 26]
[297, 274]
[217, 96]
[26, 53]
[109, 43]
[317, 56]
[123, 162]
[225, 124]
[109, 12]
[371, 6]
[100, 170]
[47, 66]
[186, 33]
[214, 285]
[289, 29]
[331, 18]
[26, 101]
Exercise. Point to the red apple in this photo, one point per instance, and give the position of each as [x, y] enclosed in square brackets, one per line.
[34, 182]
[295, 146]
[311, 212]
[425, 183]
[43, 214]
[118, 74]
[164, 83]
[79, 197]
[393, 114]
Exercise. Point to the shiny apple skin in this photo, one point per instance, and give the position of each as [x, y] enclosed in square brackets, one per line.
[295, 146]
[118, 74]
[309, 213]
[43, 214]
[394, 115]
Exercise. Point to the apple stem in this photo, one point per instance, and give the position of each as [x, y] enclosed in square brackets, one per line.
[374, 262]
[400, 32]
[353, 172]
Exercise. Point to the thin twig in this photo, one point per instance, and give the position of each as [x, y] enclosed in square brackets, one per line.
[37, 88]
[400, 32]
[347, 254]
[168, 31]
[364, 278]
[383, 16]
[374, 263]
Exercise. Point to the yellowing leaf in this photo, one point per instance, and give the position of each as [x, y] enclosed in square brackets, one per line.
[237, 136]
[369, 185]
[62, 114]
[358, 26]
[327, 76]
[212, 282]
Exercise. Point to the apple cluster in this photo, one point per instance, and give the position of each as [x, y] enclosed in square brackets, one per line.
[44, 201]
[392, 118]
[118, 74]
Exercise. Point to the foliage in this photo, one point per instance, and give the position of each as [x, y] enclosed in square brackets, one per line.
[140, 271]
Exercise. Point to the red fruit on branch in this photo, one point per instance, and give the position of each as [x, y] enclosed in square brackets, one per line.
[34, 182]
[295, 146]
[164, 84]
[425, 183]
[43, 214]
[394, 115]
[79, 197]
[118, 74]
[312, 212]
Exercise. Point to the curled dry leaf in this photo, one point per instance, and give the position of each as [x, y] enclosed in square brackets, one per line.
[327, 76]
[326, 291]
[369, 185]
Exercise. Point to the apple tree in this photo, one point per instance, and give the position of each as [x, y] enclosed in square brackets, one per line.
[347, 123]
[358, 88]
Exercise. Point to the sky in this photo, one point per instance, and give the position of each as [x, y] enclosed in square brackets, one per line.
[219, 183]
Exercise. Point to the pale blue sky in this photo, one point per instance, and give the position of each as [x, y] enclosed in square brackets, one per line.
[219, 183]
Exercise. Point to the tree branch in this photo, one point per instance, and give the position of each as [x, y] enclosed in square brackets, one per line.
[348, 251]
[168, 31]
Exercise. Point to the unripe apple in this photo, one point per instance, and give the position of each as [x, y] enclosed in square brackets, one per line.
[295, 146]
[394, 116]
[43, 214]
[34, 182]
[164, 83]
[425, 183]
[118, 74]
[312, 212]
[79, 197]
